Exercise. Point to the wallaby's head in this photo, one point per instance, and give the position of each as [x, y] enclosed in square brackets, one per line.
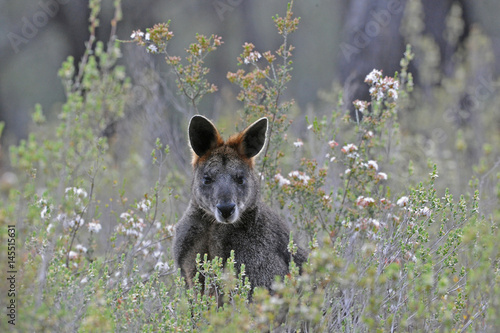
[224, 184]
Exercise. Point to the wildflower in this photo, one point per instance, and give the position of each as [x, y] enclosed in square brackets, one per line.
[72, 255]
[363, 202]
[127, 217]
[281, 180]
[403, 201]
[349, 148]
[374, 76]
[393, 93]
[332, 144]
[310, 127]
[84, 280]
[252, 57]
[361, 106]
[375, 223]
[161, 266]
[298, 143]
[49, 227]
[300, 175]
[347, 171]
[144, 205]
[425, 211]
[369, 134]
[132, 36]
[147, 36]
[77, 221]
[80, 248]
[94, 226]
[382, 176]
[152, 48]
[79, 192]
[331, 158]
[170, 229]
[373, 165]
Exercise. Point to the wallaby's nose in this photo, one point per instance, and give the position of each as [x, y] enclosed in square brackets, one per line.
[226, 209]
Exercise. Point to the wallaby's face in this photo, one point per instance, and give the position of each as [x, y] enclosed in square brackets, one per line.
[224, 184]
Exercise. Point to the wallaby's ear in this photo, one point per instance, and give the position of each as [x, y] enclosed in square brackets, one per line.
[253, 138]
[203, 136]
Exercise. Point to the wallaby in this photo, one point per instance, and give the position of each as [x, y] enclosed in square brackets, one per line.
[225, 212]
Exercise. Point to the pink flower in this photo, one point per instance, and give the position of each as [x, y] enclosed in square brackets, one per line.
[332, 144]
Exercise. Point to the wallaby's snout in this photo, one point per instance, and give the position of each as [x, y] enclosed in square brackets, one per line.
[225, 211]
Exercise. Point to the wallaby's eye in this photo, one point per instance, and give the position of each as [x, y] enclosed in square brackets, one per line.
[207, 180]
[240, 180]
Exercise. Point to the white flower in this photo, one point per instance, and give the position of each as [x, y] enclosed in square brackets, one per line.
[45, 213]
[310, 127]
[170, 229]
[252, 57]
[382, 175]
[393, 93]
[349, 148]
[300, 175]
[403, 201]
[374, 76]
[144, 205]
[161, 266]
[127, 217]
[373, 165]
[369, 134]
[281, 180]
[84, 280]
[298, 143]
[80, 248]
[147, 36]
[374, 223]
[364, 201]
[152, 48]
[79, 192]
[94, 227]
[76, 221]
[347, 171]
[425, 211]
[49, 227]
[72, 255]
[378, 92]
[132, 36]
[360, 105]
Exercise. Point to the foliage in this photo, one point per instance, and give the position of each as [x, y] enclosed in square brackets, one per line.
[383, 257]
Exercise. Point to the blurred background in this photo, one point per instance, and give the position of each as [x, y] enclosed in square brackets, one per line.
[452, 114]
